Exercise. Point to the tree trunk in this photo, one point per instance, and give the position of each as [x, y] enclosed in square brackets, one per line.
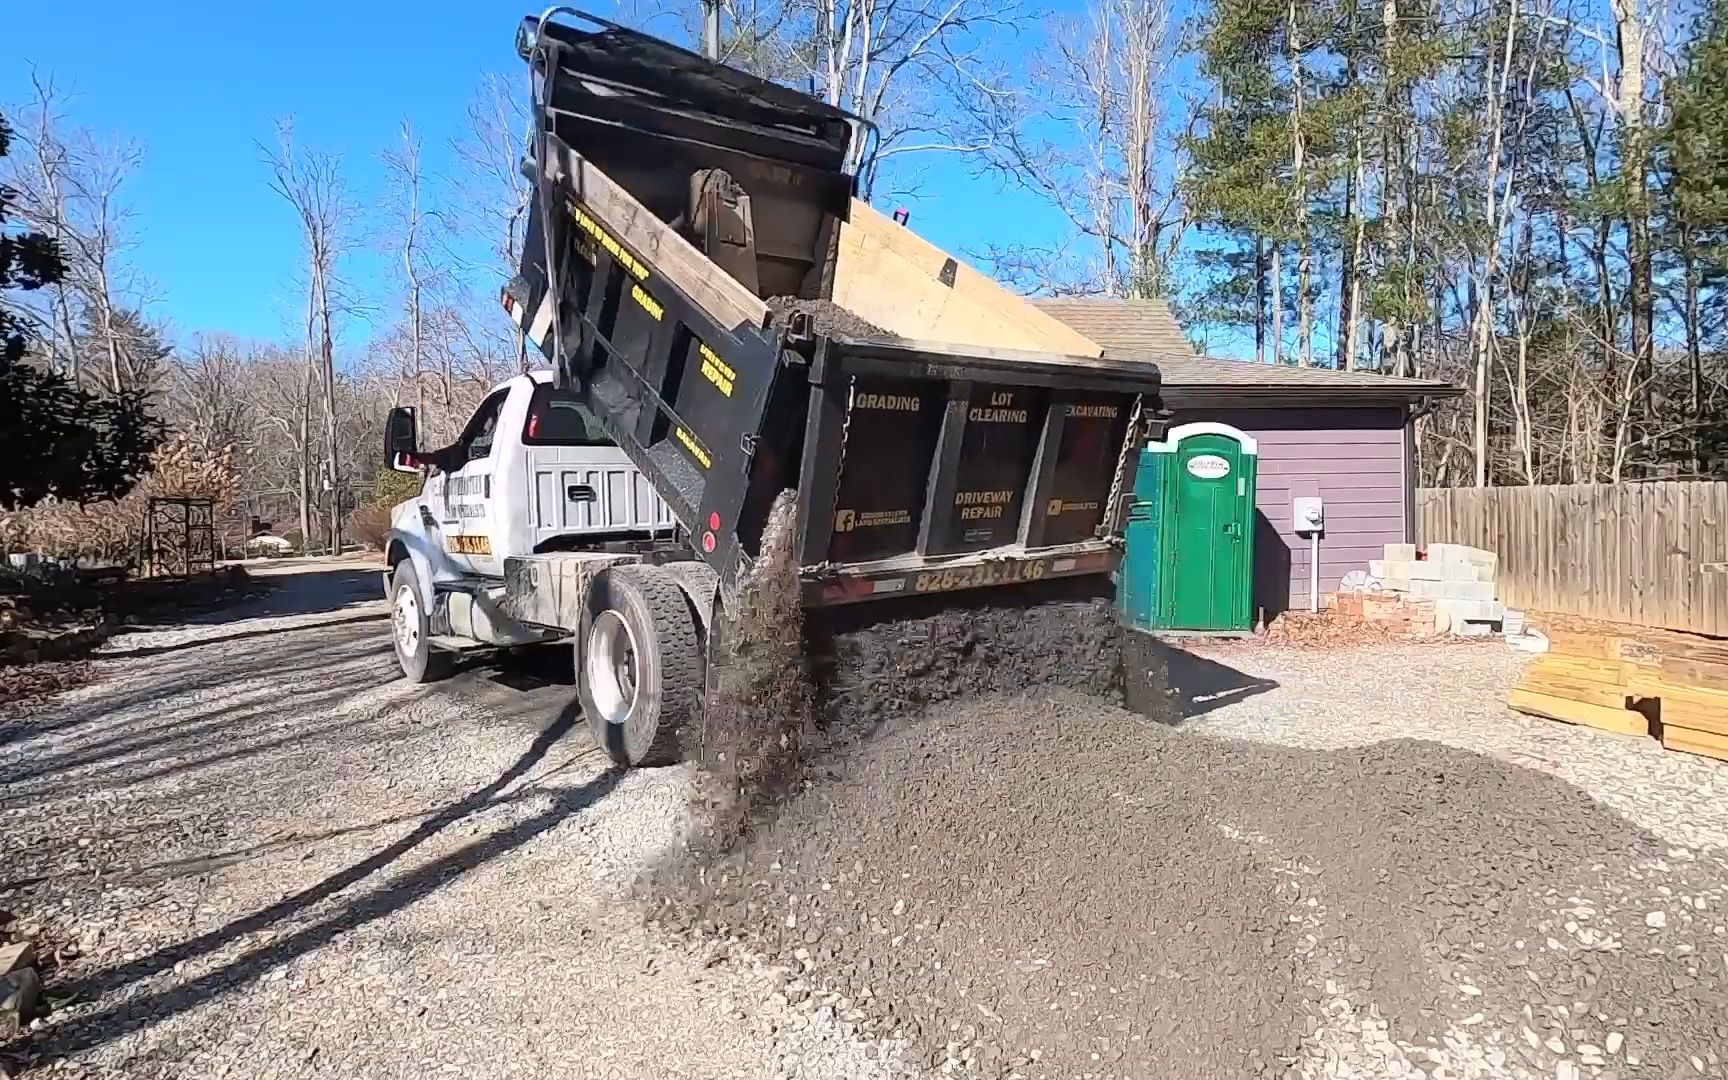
[1277, 303]
[1634, 156]
[306, 463]
[1694, 350]
[1259, 299]
[1353, 269]
[1299, 174]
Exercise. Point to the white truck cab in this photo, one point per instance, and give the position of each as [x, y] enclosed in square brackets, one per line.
[531, 474]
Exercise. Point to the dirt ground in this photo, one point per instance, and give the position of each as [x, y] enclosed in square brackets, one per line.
[273, 858]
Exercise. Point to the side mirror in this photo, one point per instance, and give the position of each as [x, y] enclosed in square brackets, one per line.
[402, 441]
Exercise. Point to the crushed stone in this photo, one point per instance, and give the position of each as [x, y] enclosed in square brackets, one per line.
[1057, 888]
[826, 317]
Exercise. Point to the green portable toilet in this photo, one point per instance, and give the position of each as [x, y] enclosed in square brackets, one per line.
[1190, 532]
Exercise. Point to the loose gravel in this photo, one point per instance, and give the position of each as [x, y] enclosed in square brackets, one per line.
[827, 317]
[1051, 888]
[275, 858]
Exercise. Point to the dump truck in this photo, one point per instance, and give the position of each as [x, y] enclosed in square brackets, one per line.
[956, 504]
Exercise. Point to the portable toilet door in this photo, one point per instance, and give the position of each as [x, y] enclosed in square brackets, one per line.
[1206, 509]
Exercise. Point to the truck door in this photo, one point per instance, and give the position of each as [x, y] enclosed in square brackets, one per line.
[468, 492]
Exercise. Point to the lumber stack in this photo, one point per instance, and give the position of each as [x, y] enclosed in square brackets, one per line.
[1589, 690]
[1690, 696]
[1672, 685]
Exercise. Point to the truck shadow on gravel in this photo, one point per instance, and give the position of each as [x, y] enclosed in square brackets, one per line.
[138, 1010]
[1202, 685]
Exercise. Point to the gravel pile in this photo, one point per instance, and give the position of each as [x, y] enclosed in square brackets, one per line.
[879, 662]
[826, 317]
[1054, 888]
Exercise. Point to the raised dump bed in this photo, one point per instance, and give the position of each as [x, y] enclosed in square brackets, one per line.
[683, 197]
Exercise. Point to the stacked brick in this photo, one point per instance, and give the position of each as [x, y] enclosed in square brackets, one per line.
[1456, 578]
[1447, 589]
[1395, 614]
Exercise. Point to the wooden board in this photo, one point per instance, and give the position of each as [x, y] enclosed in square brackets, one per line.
[1617, 721]
[1583, 669]
[660, 246]
[1684, 706]
[1561, 685]
[888, 274]
[1701, 674]
[1688, 741]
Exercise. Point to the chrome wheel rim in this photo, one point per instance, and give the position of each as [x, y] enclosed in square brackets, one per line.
[610, 665]
[406, 617]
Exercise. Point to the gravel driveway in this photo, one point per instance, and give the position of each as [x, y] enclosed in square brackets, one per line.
[274, 858]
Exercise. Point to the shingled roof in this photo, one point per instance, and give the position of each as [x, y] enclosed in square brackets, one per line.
[1148, 330]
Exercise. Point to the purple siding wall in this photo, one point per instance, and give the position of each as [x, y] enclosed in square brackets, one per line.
[1354, 459]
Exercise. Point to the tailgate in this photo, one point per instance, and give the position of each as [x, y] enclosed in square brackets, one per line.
[919, 457]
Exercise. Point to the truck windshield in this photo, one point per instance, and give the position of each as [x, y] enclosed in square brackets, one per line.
[556, 418]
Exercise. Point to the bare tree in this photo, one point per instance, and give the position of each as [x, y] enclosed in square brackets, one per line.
[1089, 128]
[412, 248]
[208, 400]
[70, 185]
[312, 183]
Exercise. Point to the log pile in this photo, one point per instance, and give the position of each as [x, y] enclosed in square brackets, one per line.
[1670, 685]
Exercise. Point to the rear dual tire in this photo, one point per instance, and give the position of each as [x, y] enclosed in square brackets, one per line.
[639, 666]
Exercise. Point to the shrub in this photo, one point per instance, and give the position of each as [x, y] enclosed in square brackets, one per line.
[113, 530]
[392, 487]
[370, 524]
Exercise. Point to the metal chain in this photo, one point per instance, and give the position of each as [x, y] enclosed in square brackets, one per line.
[845, 434]
[1111, 513]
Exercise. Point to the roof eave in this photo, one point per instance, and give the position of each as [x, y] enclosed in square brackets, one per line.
[1181, 394]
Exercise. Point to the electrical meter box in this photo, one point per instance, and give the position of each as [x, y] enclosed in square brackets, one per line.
[1309, 514]
[1190, 533]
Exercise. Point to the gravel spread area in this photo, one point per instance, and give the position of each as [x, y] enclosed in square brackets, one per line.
[1054, 888]
[272, 857]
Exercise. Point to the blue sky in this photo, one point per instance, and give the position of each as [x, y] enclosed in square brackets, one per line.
[200, 84]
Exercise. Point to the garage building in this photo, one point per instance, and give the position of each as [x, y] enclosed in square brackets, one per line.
[1345, 436]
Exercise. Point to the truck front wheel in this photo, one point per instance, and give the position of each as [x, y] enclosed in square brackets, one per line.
[411, 628]
[640, 671]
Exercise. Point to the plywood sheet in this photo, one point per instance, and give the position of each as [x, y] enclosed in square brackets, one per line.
[888, 274]
[1617, 721]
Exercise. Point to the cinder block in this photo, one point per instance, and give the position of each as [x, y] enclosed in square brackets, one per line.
[1390, 568]
[1397, 585]
[1462, 611]
[1485, 573]
[1401, 552]
[1466, 590]
[1473, 629]
[1427, 570]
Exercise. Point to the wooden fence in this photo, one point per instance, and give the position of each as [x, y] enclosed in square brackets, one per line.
[1651, 554]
